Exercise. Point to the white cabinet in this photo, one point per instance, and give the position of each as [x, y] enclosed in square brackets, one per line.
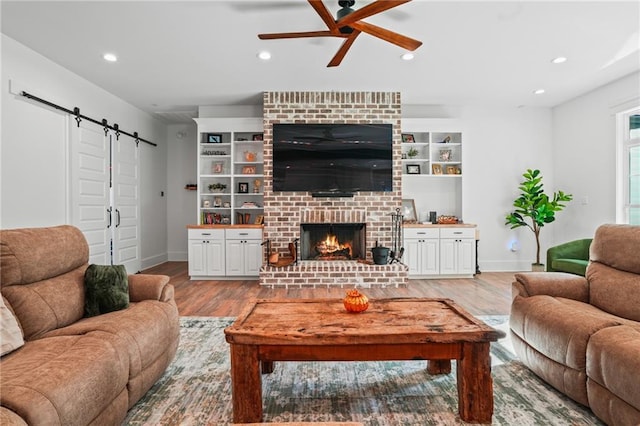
[243, 252]
[440, 252]
[457, 251]
[218, 253]
[206, 252]
[422, 251]
[230, 171]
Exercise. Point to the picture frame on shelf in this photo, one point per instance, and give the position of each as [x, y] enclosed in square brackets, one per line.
[249, 170]
[257, 137]
[452, 170]
[413, 169]
[243, 187]
[436, 169]
[259, 220]
[217, 167]
[408, 138]
[409, 211]
[445, 155]
[214, 138]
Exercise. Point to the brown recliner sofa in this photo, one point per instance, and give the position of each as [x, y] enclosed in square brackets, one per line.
[74, 370]
[582, 334]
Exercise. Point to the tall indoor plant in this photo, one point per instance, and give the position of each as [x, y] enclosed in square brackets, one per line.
[534, 208]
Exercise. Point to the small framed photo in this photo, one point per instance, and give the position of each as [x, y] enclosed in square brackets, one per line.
[259, 220]
[408, 138]
[217, 167]
[409, 211]
[413, 169]
[257, 137]
[214, 138]
[445, 154]
[436, 169]
[452, 170]
[243, 187]
[249, 170]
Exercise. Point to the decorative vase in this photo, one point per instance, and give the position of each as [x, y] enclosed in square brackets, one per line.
[355, 301]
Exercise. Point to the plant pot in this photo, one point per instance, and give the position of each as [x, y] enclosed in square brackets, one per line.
[537, 267]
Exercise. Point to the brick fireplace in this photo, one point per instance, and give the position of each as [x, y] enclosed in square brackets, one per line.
[285, 212]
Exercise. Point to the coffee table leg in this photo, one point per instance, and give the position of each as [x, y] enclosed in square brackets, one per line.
[246, 384]
[439, 366]
[266, 367]
[475, 385]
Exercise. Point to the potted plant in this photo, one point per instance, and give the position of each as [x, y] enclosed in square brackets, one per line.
[534, 209]
[412, 152]
[217, 187]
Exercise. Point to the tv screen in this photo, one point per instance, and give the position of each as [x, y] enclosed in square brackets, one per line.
[332, 158]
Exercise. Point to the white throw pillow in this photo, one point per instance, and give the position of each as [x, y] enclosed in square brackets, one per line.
[11, 337]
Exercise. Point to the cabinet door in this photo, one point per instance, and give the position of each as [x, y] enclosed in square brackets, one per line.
[253, 257]
[430, 256]
[448, 258]
[466, 256]
[234, 257]
[215, 257]
[412, 256]
[197, 257]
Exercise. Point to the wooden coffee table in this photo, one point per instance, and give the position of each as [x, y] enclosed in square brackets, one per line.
[436, 330]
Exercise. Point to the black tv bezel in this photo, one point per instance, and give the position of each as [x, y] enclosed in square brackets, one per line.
[335, 192]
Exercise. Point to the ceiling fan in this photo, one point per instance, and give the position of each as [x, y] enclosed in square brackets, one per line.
[349, 24]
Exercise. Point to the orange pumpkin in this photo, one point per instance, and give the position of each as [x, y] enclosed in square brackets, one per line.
[355, 301]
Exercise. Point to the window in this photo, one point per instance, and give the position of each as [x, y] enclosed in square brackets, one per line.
[630, 167]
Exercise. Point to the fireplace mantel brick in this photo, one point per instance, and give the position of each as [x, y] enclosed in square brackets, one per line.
[283, 211]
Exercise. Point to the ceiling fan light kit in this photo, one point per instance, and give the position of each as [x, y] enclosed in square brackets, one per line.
[349, 24]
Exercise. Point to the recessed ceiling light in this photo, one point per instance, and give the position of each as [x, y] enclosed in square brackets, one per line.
[110, 57]
[559, 60]
[538, 92]
[408, 56]
[264, 55]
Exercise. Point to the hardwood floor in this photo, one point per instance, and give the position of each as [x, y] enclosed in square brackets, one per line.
[488, 293]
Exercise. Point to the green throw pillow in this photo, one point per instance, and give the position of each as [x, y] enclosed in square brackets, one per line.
[106, 289]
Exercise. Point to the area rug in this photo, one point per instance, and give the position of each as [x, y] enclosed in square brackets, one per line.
[196, 389]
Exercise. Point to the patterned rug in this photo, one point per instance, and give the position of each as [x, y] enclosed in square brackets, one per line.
[196, 389]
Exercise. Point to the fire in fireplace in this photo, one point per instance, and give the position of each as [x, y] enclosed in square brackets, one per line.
[335, 241]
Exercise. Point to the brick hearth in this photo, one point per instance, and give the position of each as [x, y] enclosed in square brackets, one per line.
[284, 212]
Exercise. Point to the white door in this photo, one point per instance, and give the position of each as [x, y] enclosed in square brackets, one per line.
[215, 257]
[253, 257]
[467, 256]
[90, 189]
[126, 178]
[412, 256]
[448, 257]
[234, 257]
[197, 259]
[431, 256]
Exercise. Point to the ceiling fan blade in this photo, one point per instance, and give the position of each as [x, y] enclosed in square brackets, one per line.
[369, 10]
[324, 13]
[390, 36]
[339, 56]
[273, 36]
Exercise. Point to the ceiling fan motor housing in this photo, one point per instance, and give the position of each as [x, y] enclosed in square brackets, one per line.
[346, 10]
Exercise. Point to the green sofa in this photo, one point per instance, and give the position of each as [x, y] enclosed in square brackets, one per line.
[571, 257]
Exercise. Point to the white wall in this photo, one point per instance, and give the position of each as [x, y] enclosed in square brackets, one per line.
[34, 153]
[584, 152]
[182, 210]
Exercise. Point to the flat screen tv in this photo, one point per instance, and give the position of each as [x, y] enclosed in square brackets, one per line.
[337, 159]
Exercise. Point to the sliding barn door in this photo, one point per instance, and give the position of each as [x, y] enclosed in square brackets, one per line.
[105, 181]
[90, 192]
[126, 187]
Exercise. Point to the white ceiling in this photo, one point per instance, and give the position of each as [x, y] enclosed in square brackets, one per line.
[176, 55]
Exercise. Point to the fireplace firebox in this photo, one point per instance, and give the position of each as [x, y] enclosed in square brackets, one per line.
[332, 241]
